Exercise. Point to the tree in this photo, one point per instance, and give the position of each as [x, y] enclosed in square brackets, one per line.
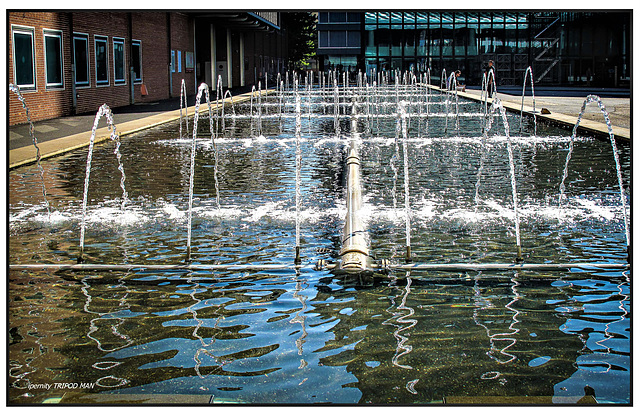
[301, 37]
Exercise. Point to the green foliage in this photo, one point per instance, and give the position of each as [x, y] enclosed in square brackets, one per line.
[302, 37]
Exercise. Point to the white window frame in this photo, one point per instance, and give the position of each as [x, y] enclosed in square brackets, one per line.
[53, 33]
[85, 37]
[116, 80]
[105, 40]
[29, 31]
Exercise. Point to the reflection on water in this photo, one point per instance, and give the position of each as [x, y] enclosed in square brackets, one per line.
[314, 337]
[305, 336]
[503, 338]
[400, 320]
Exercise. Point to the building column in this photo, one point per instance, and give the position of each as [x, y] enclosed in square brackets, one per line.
[214, 67]
[241, 59]
[229, 60]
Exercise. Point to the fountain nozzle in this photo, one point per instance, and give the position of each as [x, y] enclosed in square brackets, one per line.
[80, 258]
[519, 258]
[408, 256]
[297, 260]
[188, 258]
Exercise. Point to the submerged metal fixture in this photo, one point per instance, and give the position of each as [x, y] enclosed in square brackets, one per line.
[297, 260]
[354, 253]
[519, 258]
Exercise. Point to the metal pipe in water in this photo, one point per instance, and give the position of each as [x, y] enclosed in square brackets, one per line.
[354, 252]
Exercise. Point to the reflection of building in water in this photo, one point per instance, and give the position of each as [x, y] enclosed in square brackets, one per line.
[447, 354]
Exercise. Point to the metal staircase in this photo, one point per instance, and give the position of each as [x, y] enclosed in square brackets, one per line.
[546, 46]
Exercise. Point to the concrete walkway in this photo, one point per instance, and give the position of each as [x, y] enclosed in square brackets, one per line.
[565, 110]
[61, 135]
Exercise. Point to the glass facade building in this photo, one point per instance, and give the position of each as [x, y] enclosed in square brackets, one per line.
[561, 47]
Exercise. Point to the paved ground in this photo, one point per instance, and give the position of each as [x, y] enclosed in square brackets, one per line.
[65, 126]
[63, 134]
[618, 107]
[61, 127]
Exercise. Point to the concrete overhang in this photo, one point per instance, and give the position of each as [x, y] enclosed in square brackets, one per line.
[239, 20]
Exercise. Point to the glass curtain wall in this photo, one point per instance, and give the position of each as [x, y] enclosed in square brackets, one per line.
[572, 48]
[447, 40]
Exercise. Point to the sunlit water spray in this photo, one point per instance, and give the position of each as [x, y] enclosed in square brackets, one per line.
[298, 170]
[529, 74]
[203, 89]
[616, 157]
[106, 112]
[16, 90]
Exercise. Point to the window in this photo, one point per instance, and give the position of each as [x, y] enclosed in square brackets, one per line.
[81, 58]
[102, 61]
[118, 61]
[338, 39]
[353, 39]
[173, 61]
[179, 61]
[353, 17]
[23, 60]
[53, 58]
[323, 38]
[337, 17]
[136, 59]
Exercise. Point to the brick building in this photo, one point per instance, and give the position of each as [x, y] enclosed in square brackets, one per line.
[68, 63]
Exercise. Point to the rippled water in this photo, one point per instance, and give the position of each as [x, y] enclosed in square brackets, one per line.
[306, 336]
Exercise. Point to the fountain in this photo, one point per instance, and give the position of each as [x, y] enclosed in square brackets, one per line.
[306, 270]
[204, 88]
[529, 73]
[623, 200]
[106, 112]
[297, 259]
[402, 113]
[183, 100]
[16, 90]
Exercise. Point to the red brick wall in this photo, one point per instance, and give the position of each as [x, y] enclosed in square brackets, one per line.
[182, 40]
[111, 25]
[42, 103]
[151, 28]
